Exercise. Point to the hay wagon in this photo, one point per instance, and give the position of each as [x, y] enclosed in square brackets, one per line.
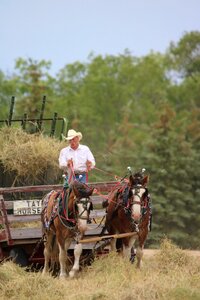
[20, 228]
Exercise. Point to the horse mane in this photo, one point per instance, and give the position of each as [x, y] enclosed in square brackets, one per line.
[81, 190]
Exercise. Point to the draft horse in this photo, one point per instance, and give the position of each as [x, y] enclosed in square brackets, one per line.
[64, 218]
[129, 210]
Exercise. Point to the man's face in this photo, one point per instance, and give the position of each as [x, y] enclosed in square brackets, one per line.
[74, 143]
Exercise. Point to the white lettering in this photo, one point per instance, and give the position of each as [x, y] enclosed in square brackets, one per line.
[27, 207]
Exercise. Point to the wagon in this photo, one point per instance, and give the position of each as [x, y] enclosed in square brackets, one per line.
[24, 244]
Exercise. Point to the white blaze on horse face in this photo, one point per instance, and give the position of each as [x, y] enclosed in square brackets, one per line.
[82, 221]
[136, 207]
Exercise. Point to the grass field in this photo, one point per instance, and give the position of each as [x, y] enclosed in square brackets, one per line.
[171, 273]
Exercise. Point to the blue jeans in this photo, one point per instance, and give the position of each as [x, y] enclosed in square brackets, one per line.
[81, 178]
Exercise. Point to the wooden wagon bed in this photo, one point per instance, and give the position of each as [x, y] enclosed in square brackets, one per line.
[14, 234]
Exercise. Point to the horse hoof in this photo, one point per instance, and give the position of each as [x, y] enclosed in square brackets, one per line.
[62, 276]
[72, 273]
[45, 273]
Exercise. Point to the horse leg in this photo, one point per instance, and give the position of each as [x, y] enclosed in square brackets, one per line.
[82, 227]
[139, 255]
[47, 251]
[128, 243]
[140, 248]
[77, 253]
[63, 247]
[113, 245]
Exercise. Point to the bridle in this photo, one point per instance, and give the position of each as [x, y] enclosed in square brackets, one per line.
[70, 222]
[86, 205]
[135, 192]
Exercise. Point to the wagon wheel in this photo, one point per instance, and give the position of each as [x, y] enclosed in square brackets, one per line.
[19, 256]
[87, 258]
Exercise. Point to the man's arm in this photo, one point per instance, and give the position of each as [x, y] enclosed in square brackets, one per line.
[62, 159]
[90, 163]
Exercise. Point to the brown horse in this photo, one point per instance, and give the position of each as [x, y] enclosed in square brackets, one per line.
[64, 218]
[129, 210]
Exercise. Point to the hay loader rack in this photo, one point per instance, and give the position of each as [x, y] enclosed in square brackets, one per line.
[36, 122]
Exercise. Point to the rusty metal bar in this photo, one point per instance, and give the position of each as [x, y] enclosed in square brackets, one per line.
[39, 122]
[24, 121]
[31, 120]
[10, 241]
[53, 125]
[11, 110]
[63, 128]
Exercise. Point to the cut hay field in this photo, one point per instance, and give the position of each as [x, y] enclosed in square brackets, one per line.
[167, 273]
[152, 252]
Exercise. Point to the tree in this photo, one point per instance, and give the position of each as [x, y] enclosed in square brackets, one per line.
[174, 185]
[7, 90]
[32, 85]
[185, 55]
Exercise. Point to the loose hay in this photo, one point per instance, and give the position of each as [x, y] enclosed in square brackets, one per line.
[29, 156]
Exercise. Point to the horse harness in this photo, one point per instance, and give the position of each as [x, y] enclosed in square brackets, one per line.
[60, 209]
[125, 200]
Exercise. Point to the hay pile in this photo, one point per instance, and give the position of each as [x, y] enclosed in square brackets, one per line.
[29, 157]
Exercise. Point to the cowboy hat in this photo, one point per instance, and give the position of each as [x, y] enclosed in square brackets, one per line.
[72, 133]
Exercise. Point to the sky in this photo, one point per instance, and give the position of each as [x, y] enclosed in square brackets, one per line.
[65, 31]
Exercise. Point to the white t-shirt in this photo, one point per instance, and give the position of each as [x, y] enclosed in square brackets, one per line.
[78, 156]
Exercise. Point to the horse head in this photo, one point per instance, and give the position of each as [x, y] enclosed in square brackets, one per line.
[137, 195]
[81, 190]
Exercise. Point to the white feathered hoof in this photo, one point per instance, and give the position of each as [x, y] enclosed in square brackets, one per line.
[72, 273]
[62, 277]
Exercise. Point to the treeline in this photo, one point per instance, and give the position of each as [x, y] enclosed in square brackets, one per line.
[132, 111]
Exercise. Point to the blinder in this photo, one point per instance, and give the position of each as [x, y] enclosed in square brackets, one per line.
[129, 201]
[87, 207]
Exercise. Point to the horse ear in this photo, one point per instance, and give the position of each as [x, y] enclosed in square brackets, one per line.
[145, 180]
[131, 180]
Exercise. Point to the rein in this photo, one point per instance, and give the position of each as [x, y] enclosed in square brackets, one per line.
[84, 203]
[119, 181]
[130, 201]
[64, 215]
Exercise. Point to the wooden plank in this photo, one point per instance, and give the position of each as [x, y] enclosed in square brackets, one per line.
[36, 233]
[3, 236]
[100, 238]
[100, 186]
[8, 204]
[23, 218]
[96, 213]
[29, 189]
[95, 200]
[25, 233]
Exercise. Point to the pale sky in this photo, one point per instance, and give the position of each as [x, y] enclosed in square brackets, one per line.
[65, 31]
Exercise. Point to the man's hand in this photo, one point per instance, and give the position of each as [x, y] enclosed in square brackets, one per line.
[70, 163]
[88, 165]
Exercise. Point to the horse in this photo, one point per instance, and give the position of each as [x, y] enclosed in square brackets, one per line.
[64, 218]
[129, 210]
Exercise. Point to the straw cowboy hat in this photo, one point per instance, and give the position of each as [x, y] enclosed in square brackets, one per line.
[72, 133]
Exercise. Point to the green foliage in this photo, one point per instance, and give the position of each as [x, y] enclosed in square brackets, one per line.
[7, 89]
[174, 183]
[186, 54]
[32, 83]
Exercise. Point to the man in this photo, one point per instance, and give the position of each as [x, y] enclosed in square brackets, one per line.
[76, 159]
